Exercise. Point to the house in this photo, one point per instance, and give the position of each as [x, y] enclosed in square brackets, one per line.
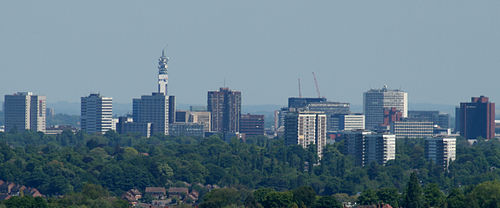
[156, 192]
[132, 196]
[180, 192]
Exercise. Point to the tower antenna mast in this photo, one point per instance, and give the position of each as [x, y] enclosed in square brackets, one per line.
[316, 84]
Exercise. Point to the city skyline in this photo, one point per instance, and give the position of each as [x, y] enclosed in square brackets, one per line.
[256, 45]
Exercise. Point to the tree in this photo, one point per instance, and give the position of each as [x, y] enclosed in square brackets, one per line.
[486, 194]
[278, 199]
[413, 197]
[327, 201]
[368, 197]
[389, 196]
[433, 196]
[456, 199]
[304, 196]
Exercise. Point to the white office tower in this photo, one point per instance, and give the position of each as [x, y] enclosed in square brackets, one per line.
[441, 150]
[96, 114]
[367, 146]
[25, 111]
[376, 100]
[306, 128]
[152, 109]
[162, 73]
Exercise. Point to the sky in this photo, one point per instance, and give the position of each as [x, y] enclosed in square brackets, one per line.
[440, 52]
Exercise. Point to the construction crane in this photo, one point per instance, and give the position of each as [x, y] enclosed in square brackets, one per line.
[316, 84]
[300, 89]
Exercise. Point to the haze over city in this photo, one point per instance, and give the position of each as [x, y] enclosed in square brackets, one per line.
[438, 52]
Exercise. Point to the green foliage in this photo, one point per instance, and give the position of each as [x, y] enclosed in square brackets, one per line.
[413, 197]
[433, 196]
[456, 199]
[63, 164]
[486, 194]
[26, 202]
[327, 201]
[278, 199]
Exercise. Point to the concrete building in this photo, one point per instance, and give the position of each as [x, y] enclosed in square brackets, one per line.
[300, 102]
[305, 128]
[182, 116]
[96, 114]
[225, 108]
[201, 117]
[252, 125]
[477, 118]
[127, 126]
[187, 129]
[25, 111]
[440, 119]
[152, 109]
[367, 146]
[346, 122]
[376, 100]
[412, 129]
[441, 150]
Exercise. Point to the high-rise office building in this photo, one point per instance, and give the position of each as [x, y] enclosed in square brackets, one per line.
[366, 146]
[477, 118]
[305, 128]
[441, 150]
[152, 109]
[96, 114]
[171, 109]
[376, 100]
[252, 125]
[25, 111]
[225, 108]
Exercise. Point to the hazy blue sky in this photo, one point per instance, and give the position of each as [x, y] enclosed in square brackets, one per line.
[440, 52]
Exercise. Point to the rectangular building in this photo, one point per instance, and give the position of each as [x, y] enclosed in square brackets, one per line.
[441, 150]
[299, 102]
[152, 109]
[187, 129]
[201, 117]
[346, 122]
[96, 114]
[306, 128]
[126, 125]
[25, 111]
[477, 118]
[252, 125]
[225, 108]
[412, 129]
[367, 146]
[376, 100]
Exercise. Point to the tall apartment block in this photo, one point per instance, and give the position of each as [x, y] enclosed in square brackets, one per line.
[366, 147]
[376, 100]
[225, 108]
[252, 125]
[96, 114]
[441, 150]
[477, 118]
[152, 109]
[25, 111]
[306, 128]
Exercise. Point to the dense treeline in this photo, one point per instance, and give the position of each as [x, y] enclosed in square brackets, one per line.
[62, 164]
